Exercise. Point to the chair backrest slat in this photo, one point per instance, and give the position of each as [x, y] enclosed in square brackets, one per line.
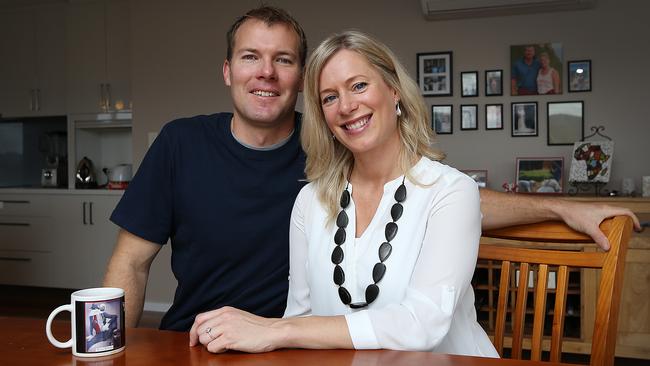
[519, 314]
[502, 306]
[539, 312]
[561, 287]
[612, 263]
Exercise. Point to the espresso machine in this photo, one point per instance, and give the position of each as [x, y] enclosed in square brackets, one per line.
[54, 146]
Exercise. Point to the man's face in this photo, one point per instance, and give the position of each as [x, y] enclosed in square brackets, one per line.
[529, 53]
[264, 74]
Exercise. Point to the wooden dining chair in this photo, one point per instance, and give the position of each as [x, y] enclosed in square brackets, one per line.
[612, 262]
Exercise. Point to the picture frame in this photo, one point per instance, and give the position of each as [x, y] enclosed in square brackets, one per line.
[540, 175]
[479, 176]
[564, 122]
[469, 84]
[434, 73]
[468, 117]
[442, 119]
[591, 161]
[524, 119]
[493, 83]
[580, 77]
[536, 69]
[494, 116]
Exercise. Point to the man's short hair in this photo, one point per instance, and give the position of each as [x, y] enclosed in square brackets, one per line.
[269, 15]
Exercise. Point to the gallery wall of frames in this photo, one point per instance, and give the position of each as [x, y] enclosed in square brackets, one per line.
[535, 69]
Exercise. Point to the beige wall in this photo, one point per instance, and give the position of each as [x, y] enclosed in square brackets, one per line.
[179, 46]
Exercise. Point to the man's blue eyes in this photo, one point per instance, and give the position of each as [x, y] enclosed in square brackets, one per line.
[282, 60]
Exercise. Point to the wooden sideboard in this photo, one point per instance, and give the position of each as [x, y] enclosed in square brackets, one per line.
[634, 317]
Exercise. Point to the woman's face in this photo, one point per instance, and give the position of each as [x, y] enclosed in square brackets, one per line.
[544, 60]
[359, 107]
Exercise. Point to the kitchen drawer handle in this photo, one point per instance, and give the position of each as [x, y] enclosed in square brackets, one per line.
[14, 259]
[14, 201]
[90, 205]
[15, 224]
[84, 213]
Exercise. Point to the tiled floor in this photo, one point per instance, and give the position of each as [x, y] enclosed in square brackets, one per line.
[38, 302]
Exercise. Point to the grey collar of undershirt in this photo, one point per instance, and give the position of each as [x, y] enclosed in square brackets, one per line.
[277, 145]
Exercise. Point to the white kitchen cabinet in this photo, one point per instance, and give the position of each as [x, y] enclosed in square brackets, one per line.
[32, 61]
[98, 56]
[56, 239]
[83, 220]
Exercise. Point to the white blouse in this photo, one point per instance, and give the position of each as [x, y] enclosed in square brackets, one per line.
[425, 300]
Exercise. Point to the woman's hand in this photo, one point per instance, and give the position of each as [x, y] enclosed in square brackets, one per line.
[228, 328]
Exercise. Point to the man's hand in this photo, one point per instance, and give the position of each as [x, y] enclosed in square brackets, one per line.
[228, 328]
[586, 218]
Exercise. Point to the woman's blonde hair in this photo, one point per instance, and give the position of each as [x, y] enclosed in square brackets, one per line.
[328, 161]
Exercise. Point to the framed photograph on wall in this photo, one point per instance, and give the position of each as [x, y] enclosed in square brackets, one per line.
[591, 161]
[536, 69]
[565, 122]
[468, 116]
[540, 175]
[579, 76]
[479, 176]
[493, 83]
[441, 119]
[469, 84]
[494, 116]
[434, 71]
[524, 119]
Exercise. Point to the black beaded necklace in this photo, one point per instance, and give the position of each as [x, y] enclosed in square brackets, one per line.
[378, 271]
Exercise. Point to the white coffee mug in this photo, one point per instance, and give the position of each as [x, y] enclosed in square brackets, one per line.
[97, 322]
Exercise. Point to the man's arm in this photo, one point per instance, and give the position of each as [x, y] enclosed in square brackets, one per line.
[129, 269]
[506, 209]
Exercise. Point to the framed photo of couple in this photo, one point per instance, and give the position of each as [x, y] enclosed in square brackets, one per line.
[434, 73]
[536, 69]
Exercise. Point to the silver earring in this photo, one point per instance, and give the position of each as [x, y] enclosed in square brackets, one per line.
[334, 137]
[398, 110]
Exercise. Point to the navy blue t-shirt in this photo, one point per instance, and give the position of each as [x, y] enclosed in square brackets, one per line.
[226, 209]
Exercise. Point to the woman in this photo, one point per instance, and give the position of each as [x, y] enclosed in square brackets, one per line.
[384, 238]
[548, 79]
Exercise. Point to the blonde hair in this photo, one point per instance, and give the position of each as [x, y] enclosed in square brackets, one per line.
[328, 161]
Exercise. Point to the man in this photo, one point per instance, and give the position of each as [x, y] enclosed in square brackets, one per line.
[524, 73]
[222, 188]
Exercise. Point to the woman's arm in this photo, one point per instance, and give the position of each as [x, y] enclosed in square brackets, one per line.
[298, 298]
[228, 328]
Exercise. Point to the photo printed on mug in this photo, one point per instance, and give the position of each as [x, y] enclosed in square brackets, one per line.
[101, 323]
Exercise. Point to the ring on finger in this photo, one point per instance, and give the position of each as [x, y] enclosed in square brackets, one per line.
[207, 331]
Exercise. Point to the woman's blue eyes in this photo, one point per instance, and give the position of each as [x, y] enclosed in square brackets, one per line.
[328, 99]
[356, 87]
[359, 86]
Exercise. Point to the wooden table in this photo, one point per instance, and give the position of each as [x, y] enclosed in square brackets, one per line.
[23, 343]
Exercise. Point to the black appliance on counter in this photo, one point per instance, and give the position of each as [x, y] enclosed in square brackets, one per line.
[34, 152]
